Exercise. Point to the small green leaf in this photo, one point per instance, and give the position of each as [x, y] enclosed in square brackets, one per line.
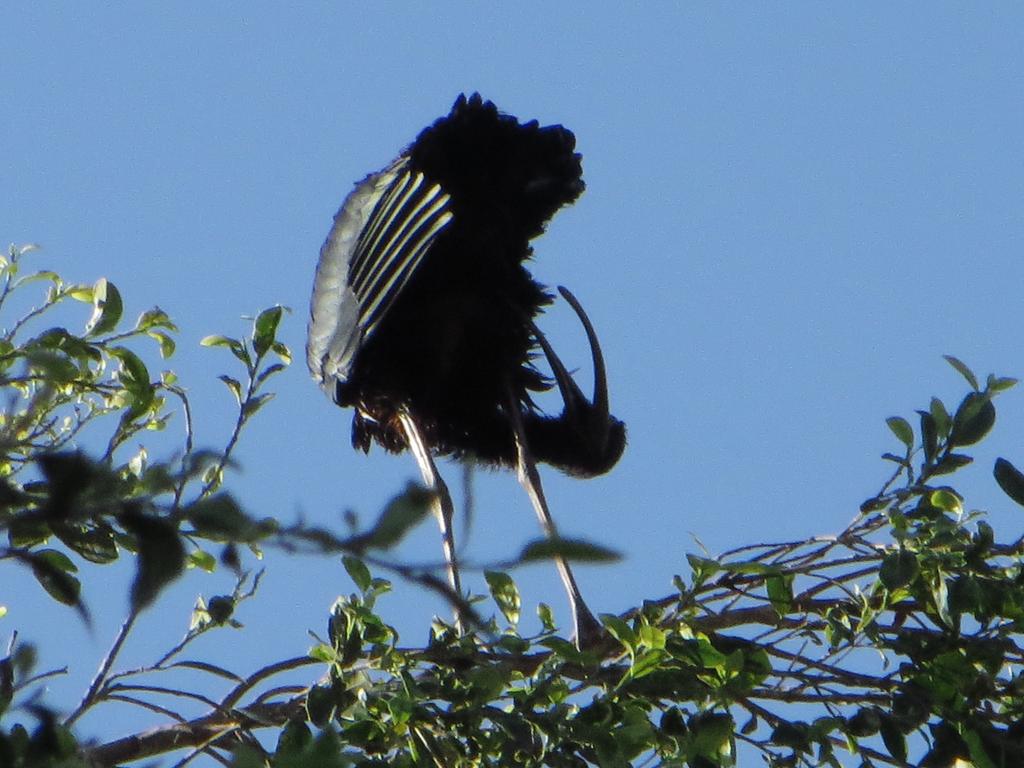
[203, 560]
[282, 351]
[999, 383]
[53, 570]
[320, 705]
[547, 618]
[323, 652]
[161, 555]
[973, 420]
[570, 549]
[946, 500]
[219, 517]
[253, 404]
[898, 570]
[237, 348]
[134, 376]
[505, 594]
[82, 293]
[52, 367]
[1010, 479]
[107, 308]
[400, 515]
[620, 630]
[265, 329]
[358, 572]
[780, 592]
[951, 463]
[233, 385]
[154, 318]
[902, 429]
[167, 345]
[964, 371]
[929, 436]
[943, 421]
[893, 738]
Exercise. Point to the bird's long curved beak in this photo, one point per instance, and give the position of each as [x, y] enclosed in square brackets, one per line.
[594, 414]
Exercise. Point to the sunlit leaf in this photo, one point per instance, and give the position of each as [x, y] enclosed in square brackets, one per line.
[506, 595]
[265, 329]
[946, 500]
[107, 308]
[167, 344]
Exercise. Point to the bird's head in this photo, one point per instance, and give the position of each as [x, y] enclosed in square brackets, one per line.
[585, 440]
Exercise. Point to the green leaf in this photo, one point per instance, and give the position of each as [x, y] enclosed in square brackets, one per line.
[134, 376]
[946, 500]
[999, 383]
[295, 737]
[571, 549]
[253, 404]
[52, 367]
[97, 544]
[951, 463]
[898, 569]
[929, 436]
[154, 318]
[53, 570]
[358, 572]
[1010, 479]
[902, 429]
[865, 723]
[282, 351]
[620, 630]
[82, 293]
[161, 555]
[203, 560]
[712, 737]
[976, 747]
[973, 420]
[107, 308]
[237, 348]
[400, 515]
[219, 517]
[265, 329]
[233, 385]
[320, 705]
[167, 345]
[547, 618]
[780, 592]
[893, 739]
[964, 371]
[505, 594]
[943, 421]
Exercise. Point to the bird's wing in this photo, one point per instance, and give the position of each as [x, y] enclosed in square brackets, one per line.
[379, 237]
[406, 219]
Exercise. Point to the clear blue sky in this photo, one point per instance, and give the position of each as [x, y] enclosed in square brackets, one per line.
[792, 212]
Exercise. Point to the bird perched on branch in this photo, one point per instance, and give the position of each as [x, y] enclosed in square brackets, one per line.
[423, 312]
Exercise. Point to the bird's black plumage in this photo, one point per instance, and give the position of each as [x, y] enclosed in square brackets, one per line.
[422, 300]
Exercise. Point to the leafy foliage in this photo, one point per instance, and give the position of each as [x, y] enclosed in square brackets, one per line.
[896, 641]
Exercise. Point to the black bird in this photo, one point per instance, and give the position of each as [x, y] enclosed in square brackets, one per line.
[422, 315]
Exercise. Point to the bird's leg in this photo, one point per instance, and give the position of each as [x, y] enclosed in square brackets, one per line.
[444, 510]
[587, 629]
